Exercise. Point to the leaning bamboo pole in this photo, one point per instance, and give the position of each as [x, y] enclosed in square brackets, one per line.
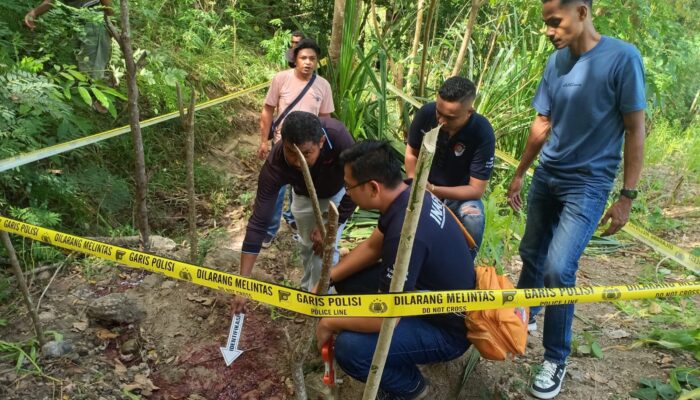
[403, 256]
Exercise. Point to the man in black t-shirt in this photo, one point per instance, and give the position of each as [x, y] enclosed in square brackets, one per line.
[440, 260]
[464, 154]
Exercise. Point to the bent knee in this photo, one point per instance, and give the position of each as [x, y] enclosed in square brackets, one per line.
[468, 209]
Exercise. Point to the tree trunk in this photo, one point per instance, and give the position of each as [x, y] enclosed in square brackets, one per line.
[188, 127]
[403, 256]
[414, 47]
[132, 67]
[473, 13]
[22, 283]
[337, 31]
[426, 40]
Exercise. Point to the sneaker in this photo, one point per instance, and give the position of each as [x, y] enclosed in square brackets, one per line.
[267, 242]
[548, 381]
[383, 395]
[532, 325]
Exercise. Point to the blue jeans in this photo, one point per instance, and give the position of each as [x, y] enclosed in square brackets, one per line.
[474, 222]
[562, 215]
[278, 214]
[415, 341]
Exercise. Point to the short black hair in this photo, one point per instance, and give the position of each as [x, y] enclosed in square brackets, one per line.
[373, 160]
[457, 88]
[298, 34]
[307, 43]
[300, 127]
[589, 3]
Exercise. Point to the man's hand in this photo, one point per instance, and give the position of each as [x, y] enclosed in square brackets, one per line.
[263, 150]
[238, 304]
[30, 20]
[514, 200]
[323, 333]
[618, 214]
[317, 240]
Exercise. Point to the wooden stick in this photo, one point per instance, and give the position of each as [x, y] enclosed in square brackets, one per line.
[312, 191]
[403, 257]
[188, 127]
[23, 286]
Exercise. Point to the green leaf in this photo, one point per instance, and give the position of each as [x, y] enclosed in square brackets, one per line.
[100, 97]
[666, 391]
[110, 91]
[596, 350]
[584, 349]
[79, 76]
[695, 394]
[66, 92]
[85, 95]
[112, 110]
[67, 76]
[644, 394]
[648, 382]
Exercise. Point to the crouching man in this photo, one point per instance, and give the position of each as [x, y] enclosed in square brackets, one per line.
[440, 261]
[321, 141]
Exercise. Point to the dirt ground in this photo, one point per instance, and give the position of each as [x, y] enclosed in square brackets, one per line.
[173, 353]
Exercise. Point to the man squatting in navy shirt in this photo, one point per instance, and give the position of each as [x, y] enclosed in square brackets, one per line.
[321, 141]
[440, 260]
[464, 154]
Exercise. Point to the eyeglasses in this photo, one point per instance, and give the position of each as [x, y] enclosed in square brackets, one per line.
[354, 186]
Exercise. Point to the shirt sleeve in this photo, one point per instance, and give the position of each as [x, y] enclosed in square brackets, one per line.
[542, 103]
[418, 127]
[273, 92]
[270, 182]
[327, 105]
[630, 83]
[482, 163]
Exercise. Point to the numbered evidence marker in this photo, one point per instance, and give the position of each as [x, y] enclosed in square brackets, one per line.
[231, 351]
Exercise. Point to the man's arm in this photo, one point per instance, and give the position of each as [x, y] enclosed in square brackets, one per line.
[34, 13]
[265, 124]
[474, 190]
[361, 257]
[635, 133]
[538, 135]
[410, 160]
[327, 327]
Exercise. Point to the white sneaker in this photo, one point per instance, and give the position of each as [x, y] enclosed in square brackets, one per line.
[547, 384]
[532, 325]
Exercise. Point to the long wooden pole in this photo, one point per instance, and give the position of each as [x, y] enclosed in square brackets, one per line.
[188, 127]
[22, 283]
[403, 257]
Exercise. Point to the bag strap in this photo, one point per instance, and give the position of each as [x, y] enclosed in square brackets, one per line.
[467, 236]
[292, 104]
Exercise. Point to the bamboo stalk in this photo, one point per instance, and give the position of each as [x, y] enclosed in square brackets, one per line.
[473, 14]
[22, 283]
[403, 257]
[188, 127]
[414, 47]
[424, 54]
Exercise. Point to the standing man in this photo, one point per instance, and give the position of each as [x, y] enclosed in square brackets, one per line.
[464, 155]
[292, 90]
[440, 260]
[296, 37]
[590, 99]
[96, 47]
[321, 142]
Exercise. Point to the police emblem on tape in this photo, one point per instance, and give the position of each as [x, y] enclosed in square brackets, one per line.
[378, 307]
[508, 296]
[185, 274]
[611, 294]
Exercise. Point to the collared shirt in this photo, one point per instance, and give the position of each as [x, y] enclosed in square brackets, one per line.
[468, 153]
[440, 259]
[326, 173]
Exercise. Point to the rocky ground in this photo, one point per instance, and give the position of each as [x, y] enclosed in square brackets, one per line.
[125, 334]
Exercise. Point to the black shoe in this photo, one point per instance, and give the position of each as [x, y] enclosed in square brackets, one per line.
[547, 384]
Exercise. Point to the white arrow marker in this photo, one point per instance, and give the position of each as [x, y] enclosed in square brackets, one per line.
[231, 352]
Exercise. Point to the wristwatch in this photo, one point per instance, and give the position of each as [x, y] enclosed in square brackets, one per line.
[629, 193]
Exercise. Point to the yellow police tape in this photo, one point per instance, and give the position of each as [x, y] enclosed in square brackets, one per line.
[659, 245]
[375, 305]
[26, 158]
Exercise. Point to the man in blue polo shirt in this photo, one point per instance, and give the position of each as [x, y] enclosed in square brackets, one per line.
[590, 99]
[464, 155]
[440, 260]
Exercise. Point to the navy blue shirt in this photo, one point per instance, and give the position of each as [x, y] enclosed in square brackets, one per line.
[468, 153]
[326, 173]
[440, 259]
[585, 98]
